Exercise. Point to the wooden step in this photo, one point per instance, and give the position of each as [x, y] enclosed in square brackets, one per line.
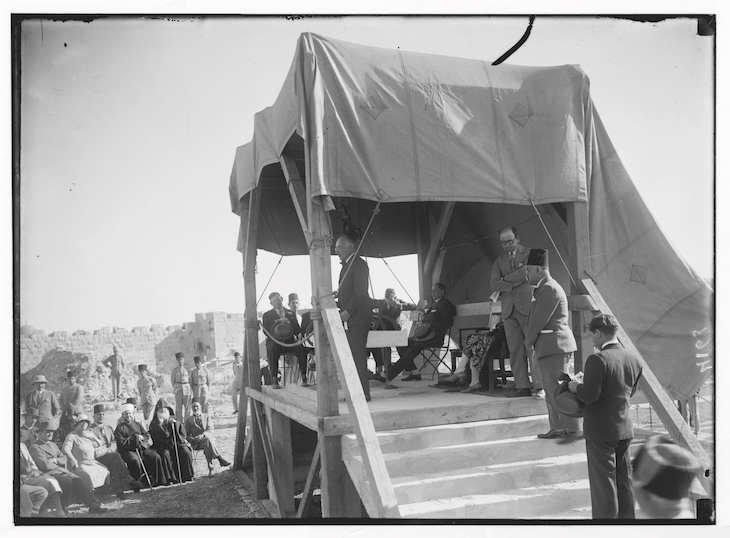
[452, 434]
[536, 502]
[489, 478]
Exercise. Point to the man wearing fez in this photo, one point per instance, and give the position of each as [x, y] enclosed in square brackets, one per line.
[50, 460]
[509, 280]
[549, 337]
[115, 363]
[200, 383]
[41, 399]
[236, 383]
[180, 379]
[133, 442]
[105, 451]
[610, 377]
[279, 316]
[199, 433]
[72, 403]
[355, 304]
[147, 389]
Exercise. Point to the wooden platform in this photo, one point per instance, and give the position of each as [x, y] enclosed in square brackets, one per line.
[415, 404]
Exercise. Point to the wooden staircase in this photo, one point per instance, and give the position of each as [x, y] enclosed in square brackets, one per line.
[493, 469]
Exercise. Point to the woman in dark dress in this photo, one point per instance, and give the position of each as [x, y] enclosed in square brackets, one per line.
[168, 440]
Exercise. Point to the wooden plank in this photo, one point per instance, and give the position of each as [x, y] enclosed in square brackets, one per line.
[297, 191]
[282, 449]
[271, 462]
[579, 257]
[306, 501]
[299, 414]
[658, 398]
[476, 309]
[332, 468]
[438, 237]
[356, 469]
[385, 501]
[247, 451]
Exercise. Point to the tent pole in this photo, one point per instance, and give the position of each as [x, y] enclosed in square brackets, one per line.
[422, 237]
[578, 260]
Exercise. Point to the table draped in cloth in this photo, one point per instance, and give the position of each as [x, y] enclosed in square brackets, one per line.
[83, 450]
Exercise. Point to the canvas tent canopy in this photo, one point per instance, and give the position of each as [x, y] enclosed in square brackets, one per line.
[410, 130]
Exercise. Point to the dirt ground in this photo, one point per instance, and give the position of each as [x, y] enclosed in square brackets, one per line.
[224, 495]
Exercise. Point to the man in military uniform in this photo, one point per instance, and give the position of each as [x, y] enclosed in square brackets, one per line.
[116, 364]
[236, 383]
[147, 389]
[180, 379]
[200, 383]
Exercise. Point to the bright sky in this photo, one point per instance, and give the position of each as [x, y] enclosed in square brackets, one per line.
[129, 129]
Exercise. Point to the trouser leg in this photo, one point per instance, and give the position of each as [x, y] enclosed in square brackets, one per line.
[273, 352]
[602, 479]
[551, 367]
[516, 344]
[624, 487]
[357, 335]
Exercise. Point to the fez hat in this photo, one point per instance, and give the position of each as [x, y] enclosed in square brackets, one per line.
[99, 408]
[195, 400]
[39, 378]
[141, 367]
[32, 411]
[196, 359]
[131, 400]
[70, 374]
[566, 402]
[293, 296]
[236, 354]
[47, 426]
[179, 355]
[537, 256]
[664, 468]
[83, 417]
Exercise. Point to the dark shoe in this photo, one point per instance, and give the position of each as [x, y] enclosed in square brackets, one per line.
[518, 393]
[223, 463]
[552, 434]
[412, 377]
[377, 377]
[235, 412]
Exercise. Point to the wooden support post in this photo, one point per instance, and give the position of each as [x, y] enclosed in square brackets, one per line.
[306, 501]
[422, 240]
[658, 398]
[578, 261]
[282, 448]
[437, 238]
[269, 455]
[333, 468]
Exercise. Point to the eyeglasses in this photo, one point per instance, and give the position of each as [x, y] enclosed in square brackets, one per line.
[507, 241]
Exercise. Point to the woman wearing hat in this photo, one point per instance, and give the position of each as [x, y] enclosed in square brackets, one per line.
[169, 441]
[79, 450]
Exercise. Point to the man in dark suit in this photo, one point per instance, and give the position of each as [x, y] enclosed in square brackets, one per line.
[549, 336]
[610, 377]
[355, 304]
[388, 311]
[293, 301]
[275, 320]
[439, 315]
[509, 279]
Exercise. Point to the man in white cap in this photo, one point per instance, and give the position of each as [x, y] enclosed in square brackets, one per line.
[43, 400]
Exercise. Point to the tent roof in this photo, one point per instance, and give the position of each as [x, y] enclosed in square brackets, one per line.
[398, 126]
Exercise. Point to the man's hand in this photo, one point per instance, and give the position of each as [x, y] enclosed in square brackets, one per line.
[573, 386]
[345, 315]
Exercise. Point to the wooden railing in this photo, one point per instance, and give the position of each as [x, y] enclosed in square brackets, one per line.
[658, 398]
[380, 486]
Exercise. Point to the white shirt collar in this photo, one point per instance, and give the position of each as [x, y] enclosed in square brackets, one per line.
[612, 341]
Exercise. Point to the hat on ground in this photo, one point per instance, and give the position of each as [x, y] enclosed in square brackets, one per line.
[99, 408]
[537, 256]
[127, 407]
[47, 426]
[664, 468]
[39, 378]
[131, 400]
[83, 417]
[179, 355]
[31, 411]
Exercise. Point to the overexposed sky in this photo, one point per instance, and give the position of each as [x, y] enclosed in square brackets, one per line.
[129, 127]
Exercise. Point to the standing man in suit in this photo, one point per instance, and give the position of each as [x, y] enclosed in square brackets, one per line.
[274, 321]
[115, 363]
[610, 377]
[180, 379]
[42, 400]
[509, 280]
[293, 301]
[355, 304]
[549, 335]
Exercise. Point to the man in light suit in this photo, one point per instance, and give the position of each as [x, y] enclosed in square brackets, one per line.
[610, 377]
[509, 279]
[355, 304]
[549, 334]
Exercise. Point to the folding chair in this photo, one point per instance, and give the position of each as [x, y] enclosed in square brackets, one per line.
[436, 356]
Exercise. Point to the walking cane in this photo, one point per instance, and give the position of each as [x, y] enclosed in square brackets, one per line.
[177, 456]
[144, 469]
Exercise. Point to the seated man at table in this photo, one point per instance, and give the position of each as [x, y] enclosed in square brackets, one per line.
[437, 320]
[200, 435]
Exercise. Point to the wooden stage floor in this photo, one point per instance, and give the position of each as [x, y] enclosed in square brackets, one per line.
[414, 404]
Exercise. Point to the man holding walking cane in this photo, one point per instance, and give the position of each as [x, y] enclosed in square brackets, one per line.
[133, 442]
[169, 441]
